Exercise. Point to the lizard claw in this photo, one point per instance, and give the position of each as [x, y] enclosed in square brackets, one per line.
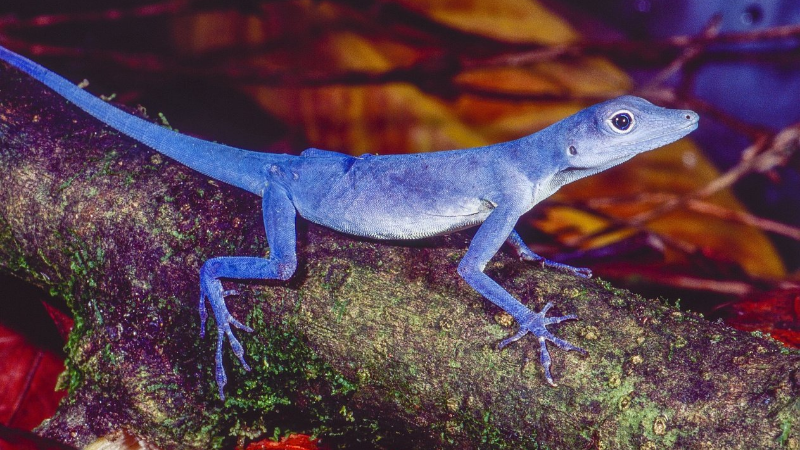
[582, 272]
[211, 290]
[536, 323]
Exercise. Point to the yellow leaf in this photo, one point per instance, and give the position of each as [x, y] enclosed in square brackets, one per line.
[676, 169]
[369, 119]
[520, 21]
[577, 77]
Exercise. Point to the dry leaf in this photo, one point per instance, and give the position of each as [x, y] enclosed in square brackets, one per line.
[506, 20]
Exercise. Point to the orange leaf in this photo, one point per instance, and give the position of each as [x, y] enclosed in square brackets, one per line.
[506, 20]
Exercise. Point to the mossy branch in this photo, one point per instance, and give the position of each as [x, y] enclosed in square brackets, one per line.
[369, 342]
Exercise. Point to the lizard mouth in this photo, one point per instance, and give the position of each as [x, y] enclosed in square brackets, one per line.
[667, 137]
[664, 138]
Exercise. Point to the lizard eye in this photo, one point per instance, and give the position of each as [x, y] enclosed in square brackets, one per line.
[622, 122]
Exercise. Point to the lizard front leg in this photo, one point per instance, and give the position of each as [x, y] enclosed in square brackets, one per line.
[488, 239]
[526, 254]
[279, 221]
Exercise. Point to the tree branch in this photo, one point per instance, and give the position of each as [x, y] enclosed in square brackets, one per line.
[370, 341]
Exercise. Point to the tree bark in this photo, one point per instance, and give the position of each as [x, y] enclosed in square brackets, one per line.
[371, 342]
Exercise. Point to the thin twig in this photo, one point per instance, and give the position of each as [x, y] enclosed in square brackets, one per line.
[773, 155]
[745, 218]
[700, 206]
[726, 287]
[690, 52]
[617, 223]
[772, 33]
[12, 22]
[545, 54]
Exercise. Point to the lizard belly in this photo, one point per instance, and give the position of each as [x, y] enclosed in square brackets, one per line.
[389, 220]
[389, 197]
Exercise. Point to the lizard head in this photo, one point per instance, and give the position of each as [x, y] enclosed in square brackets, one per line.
[610, 133]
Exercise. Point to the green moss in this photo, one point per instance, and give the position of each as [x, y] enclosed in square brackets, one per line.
[488, 434]
[75, 376]
[641, 421]
[786, 429]
[85, 268]
[13, 255]
[291, 389]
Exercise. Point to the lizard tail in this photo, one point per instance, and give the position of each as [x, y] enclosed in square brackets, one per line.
[234, 166]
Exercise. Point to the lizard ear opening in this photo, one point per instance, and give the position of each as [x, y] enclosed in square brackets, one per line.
[622, 122]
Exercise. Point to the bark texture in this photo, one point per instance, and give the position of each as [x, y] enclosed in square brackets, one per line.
[371, 342]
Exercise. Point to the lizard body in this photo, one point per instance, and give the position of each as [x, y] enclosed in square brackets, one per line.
[400, 196]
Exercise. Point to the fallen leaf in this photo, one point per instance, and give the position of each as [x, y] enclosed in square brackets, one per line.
[776, 313]
[28, 377]
[291, 442]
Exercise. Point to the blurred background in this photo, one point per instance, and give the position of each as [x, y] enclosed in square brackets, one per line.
[712, 222]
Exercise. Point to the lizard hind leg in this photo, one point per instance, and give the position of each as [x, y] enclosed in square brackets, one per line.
[279, 221]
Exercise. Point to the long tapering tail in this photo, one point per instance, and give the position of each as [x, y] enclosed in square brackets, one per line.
[238, 167]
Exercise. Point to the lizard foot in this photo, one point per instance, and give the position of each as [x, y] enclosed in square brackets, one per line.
[211, 290]
[536, 323]
[579, 271]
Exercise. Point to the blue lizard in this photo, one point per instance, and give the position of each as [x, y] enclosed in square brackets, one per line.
[401, 196]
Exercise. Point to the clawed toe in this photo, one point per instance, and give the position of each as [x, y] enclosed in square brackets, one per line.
[582, 272]
[212, 291]
[203, 315]
[522, 332]
[535, 323]
[579, 271]
[237, 348]
[239, 325]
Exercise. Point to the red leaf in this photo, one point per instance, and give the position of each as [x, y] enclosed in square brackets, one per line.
[776, 313]
[291, 442]
[28, 377]
[63, 321]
